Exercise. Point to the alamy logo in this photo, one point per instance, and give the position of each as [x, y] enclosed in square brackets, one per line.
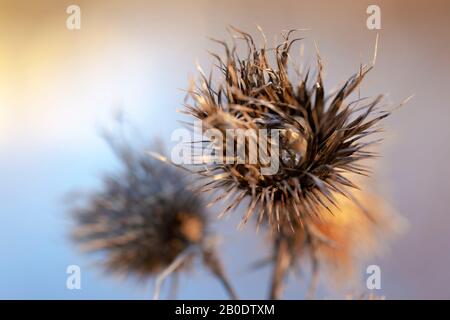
[374, 20]
[230, 146]
[73, 281]
[73, 21]
[374, 279]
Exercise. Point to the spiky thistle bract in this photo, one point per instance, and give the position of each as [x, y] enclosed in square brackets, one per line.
[322, 135]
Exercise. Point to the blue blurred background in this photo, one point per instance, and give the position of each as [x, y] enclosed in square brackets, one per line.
[58, 87]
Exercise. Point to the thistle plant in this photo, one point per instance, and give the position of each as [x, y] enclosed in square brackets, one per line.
[148, 222]
[323, 140]
[334, 244]
[321, 136]
[145, 222]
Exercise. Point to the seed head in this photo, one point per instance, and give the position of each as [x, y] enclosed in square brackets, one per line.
[142, 218]
[321, 135]
[337, 244]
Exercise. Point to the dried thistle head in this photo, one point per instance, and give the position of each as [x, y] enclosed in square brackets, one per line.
[321, 135]
[142, 218]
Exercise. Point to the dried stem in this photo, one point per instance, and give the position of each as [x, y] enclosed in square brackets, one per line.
[211, 259]
[282, 262]
[314, 275]
[168, 271]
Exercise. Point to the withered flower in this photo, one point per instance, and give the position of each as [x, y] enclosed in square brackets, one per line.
[335, 244]
[321, 135]
[145, 221]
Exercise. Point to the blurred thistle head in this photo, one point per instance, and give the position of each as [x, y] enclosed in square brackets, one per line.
[321, 136]
[142, 218]
[337, 245]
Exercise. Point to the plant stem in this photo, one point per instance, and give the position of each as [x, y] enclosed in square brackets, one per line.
[168, 271]
[282, 261]
[212, 260]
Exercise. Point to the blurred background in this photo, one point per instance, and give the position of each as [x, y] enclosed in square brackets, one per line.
[58, 87]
